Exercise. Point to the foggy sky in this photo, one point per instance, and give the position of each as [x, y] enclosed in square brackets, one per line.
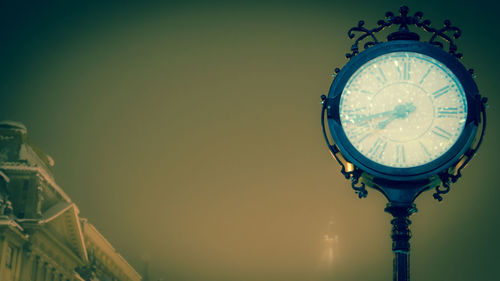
[189, 134]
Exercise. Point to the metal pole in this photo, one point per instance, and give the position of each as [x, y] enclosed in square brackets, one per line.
[401, 239]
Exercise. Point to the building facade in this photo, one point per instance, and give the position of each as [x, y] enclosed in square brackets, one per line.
[42, 237]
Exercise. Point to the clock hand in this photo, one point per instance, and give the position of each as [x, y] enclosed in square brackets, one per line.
[400, 111]
[404, 110]
[383, 124]
[358, 119]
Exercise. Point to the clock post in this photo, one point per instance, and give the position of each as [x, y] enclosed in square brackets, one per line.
[401, 240]
[404, 116]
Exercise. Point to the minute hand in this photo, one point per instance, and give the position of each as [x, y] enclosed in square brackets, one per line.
[384, 123]
[373, 116]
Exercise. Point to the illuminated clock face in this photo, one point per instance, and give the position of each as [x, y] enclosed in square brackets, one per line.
[403, 109]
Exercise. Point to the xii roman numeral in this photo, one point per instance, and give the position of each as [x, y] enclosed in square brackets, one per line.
[404, 70]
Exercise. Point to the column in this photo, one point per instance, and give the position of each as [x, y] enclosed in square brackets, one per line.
[53, 274]
[48, 272]
[42, 269]
[34, 268]
[25, 266]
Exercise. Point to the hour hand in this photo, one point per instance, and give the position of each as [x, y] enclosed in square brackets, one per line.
[400, 111]
[405, 109]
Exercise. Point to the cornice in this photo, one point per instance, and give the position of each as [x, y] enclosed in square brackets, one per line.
[109, 257]
[39, 172]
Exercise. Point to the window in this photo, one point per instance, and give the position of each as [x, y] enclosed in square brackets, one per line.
[9, 256]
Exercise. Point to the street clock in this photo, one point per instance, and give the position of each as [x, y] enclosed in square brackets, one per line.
[403, 116]
[404, 111]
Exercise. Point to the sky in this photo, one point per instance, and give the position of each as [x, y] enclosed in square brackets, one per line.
[188, 133]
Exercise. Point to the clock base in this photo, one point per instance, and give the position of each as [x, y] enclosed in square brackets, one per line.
[399, 192]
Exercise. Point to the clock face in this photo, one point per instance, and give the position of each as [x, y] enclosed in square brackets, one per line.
[403, 109]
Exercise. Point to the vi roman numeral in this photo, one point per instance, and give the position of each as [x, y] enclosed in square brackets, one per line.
[400, 153]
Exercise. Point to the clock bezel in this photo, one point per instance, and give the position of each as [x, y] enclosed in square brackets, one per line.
[424, 171]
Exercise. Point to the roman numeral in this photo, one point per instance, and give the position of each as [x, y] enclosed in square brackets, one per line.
[353, 115]
[441, 133]
[426, 151]
[360, 132]
[377, 149]
[400, 153]
[362, 138]
[425, 75]
[379, 75]
[441, 91]
[366, 92]
[348, 111]
[404, 74]
[447, 111]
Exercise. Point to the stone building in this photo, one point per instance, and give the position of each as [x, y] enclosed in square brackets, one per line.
[42, 237]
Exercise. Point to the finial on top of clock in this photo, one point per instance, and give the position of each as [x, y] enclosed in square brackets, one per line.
[447, 33]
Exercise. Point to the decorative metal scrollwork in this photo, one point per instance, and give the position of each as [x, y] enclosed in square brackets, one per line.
[448, 178]
[360, 189]
[444, 188]
[455, 31]
[353, 174]
[367, 32]
[448, 33]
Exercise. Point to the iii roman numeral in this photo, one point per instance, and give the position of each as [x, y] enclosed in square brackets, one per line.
[447, 111]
